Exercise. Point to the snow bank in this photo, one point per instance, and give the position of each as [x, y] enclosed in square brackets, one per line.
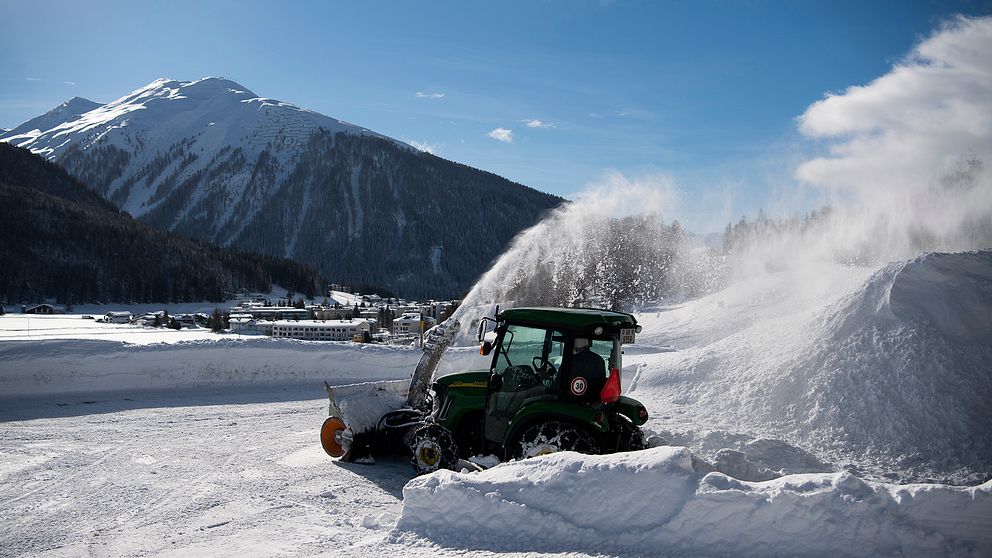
[653, 502]
[891, 377]
[52, 366]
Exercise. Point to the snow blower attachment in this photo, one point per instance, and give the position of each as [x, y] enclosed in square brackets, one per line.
[376, 417]
[553, 385]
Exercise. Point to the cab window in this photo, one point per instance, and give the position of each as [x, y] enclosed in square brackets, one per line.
[530, 351]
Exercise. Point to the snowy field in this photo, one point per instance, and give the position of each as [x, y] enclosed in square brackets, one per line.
[117, 441]
[213, 472]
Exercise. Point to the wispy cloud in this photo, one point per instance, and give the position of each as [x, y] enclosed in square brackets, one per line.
[535, 123]
[422, 95]
[49, 80]
[502, 134]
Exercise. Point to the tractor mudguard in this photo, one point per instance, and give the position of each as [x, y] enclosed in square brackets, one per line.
[630, 408]
[543, 410]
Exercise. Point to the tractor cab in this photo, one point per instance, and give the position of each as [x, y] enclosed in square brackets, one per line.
[554, 364]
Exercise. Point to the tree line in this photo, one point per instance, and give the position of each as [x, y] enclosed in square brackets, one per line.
[62, 240]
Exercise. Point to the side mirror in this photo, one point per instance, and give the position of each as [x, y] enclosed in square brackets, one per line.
[488, 342]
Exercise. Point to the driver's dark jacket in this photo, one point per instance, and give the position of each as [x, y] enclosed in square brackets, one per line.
[592, 367]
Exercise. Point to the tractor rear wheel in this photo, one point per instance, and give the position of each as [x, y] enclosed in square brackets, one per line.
[433, 448]
[631, 438]
[552, 436]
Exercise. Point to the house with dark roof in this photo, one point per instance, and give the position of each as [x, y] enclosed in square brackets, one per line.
[39, 309]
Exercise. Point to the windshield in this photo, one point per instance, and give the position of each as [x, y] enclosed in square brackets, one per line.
[531, 351]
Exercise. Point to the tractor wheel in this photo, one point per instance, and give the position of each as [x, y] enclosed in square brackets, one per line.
[631, 438]
[330, 436]
[549, 437]
[433, 448]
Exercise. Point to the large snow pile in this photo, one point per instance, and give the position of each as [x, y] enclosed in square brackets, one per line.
[653, 502]
[892, 377]
[76, 365]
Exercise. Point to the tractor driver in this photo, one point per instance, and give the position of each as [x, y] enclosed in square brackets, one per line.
[588, 370]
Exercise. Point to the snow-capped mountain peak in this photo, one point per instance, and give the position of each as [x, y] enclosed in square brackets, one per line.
[174, 110]
[214, 160]
[30, 131]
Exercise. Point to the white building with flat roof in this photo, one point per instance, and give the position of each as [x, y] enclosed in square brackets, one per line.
[410, 323]
[320, 330]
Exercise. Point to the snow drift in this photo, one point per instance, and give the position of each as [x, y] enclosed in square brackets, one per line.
[55, 366]
[653, 502]
[892, 377]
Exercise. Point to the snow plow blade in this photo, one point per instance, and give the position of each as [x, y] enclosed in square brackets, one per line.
[367, 419]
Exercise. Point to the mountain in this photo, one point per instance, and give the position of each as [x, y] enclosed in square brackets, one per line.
[213, 160]
[32, 129]
[62, 240]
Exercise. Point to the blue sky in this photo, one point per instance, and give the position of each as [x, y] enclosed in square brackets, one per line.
[705, 92]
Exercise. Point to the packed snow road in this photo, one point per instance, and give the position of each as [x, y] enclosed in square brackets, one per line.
[208, 472]
[216, 472]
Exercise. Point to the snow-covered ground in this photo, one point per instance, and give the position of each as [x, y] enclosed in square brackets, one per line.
[117, 440]
[214, 472]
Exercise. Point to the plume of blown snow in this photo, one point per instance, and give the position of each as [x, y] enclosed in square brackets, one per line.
[909, 152]
[905, 166]
[555, 261]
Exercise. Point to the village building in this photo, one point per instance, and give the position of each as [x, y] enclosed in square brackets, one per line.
[117, 317]
[315, 330]
[410, 324]
[39, 309]
[151, 318]
[273, 312]
[437, 309]
[325, 313]
[185, 320]
[245, 324]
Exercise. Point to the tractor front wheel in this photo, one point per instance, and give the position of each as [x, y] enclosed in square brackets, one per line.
[553, 436]
[433, 448]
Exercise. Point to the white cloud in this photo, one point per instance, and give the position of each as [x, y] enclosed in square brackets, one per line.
[69, 82]
[535, 123]
[33, 79]
[911, 150]
[502, 134]
[422, 95]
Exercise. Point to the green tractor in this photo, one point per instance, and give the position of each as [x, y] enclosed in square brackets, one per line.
[553, 385]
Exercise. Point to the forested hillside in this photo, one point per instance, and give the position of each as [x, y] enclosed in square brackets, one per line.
[60, 239]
